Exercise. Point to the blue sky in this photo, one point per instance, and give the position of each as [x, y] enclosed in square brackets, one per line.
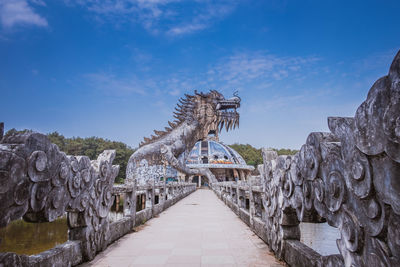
[116, 68]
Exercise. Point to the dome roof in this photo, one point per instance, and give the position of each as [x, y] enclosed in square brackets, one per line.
[212, 154]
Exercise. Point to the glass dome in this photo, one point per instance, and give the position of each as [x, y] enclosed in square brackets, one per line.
[214, 154]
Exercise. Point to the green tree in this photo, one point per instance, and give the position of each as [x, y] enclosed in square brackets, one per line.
[92, 147]
[253, 155]
[250, 154]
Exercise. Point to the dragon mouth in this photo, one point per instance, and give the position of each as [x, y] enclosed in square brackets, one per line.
[227, 114]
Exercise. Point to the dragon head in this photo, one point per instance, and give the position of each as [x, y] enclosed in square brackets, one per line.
[210, 110]
[226, 112]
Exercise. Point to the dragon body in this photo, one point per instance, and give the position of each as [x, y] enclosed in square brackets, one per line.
[195, 116]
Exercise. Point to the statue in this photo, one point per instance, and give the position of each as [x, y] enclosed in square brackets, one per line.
[195, 116]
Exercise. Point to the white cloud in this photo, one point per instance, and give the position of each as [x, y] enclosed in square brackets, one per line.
[171, 17]
[109, 83]
[208, 14]
[19, 12]
[242, 68]
[252, 70]
[38, 2]
[186, 29]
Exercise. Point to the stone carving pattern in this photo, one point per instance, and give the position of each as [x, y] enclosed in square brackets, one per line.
[349, 177]
[40, 183]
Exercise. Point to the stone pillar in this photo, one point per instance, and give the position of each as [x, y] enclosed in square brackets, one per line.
[164, 194]
[199, 181]
[251, 199]
[130, 204]
[238, 204]
[153, 193]
[150, 196]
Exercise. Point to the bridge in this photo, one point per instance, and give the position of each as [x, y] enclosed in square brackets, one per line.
[198, 231]
[347, 178]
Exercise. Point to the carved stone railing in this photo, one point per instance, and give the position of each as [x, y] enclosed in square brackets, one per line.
[349, 177]
[168, 195]
[39, 183]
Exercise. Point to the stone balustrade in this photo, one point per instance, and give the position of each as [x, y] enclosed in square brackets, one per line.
[349, 177]
[40, 183]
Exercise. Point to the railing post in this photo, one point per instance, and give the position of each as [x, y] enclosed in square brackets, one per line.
[130, 203]
[149, 196]
[237, 198]
[164, 194]
[231, 193]
[153, 188]
[251, 199]
[164, 186]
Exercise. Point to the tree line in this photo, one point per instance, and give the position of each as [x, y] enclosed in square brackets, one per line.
[253, 155]
[93, 146]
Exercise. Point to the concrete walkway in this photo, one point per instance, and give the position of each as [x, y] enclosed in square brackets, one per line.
[197, 231]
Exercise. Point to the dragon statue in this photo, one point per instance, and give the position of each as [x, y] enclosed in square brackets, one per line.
[195, 116]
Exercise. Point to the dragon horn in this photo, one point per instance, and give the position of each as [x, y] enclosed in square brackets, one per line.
[199, 94]
[171, 124]
[159, 133]
[178, 113]
[183, 101]
[179, 110]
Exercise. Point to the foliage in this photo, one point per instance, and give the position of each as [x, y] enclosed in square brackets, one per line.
[253, 156]
[285, 151]
[14, 131]
[250, 154]
[92, 147]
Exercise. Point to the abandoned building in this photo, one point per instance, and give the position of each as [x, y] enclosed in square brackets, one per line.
[223, 161]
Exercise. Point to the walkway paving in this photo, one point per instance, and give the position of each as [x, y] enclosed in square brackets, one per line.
[197, 231]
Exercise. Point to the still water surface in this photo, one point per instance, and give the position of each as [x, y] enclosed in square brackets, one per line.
[321, 237]
[32, 238]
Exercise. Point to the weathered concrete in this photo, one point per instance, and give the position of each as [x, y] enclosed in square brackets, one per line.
[348, 177]
[198, 231]
[40, 183]
[195, 116]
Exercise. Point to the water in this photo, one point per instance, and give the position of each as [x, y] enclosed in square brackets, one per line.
[321, 237]
[32, 238]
